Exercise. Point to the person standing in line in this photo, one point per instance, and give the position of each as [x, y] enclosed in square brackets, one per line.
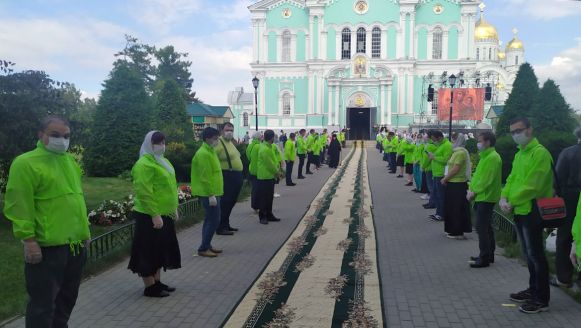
[568, 171]
[392, 154]
[419, 149]
[317, 148]
[379, 141]
[400, 155]
[252, 154]
[44, 201]
[334, 152]
[576, 245]
[341, 138]
[301, 152]
[457, 219]
[386, 146]
[281, 164]
[268, 172]
[408, 150]
[531, 178]
[323, 139]
[485, 190]
[439, 158]
[282, 138]
[310, 144]
[290, 156]
[246, 138]
[429, 148]
[155, 244]
[208, 185]
[232, 168]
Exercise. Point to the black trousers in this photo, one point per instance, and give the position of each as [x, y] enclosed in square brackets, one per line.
[266, 197]
[53, 286]
[253, 192]
[232, 185]
[486, 241]
[322, 156]
[563, 264]
[301, 164]
[310, 160]
[289, 171]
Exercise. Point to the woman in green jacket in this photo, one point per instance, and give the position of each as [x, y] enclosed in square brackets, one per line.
[155, 244]
[208, 184]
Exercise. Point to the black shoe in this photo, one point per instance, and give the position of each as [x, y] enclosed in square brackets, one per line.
[273, 219]
[400, 176]
[292, 184]
[165, 287]
[479, 263]
[409, 184]
[428, 207]
[263, 221]
[533, 307]
[554, 281]
[301, 177]
[522, 296]
[155, 291]
[224, 232]
[232, 229]
[476, 258]
[309, 172]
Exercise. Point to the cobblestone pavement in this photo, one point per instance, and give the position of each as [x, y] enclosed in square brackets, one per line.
[208, 289]
[426, 280]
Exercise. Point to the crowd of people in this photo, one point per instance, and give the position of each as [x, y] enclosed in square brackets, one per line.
[45, 202]
[441, 170]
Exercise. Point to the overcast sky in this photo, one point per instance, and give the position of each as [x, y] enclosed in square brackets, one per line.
[75, 40]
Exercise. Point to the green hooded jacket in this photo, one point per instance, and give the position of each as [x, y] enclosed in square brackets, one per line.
[531, 177]
[408, 150]
[206, 173]
[267, 163]
[44, 198]
[290, 153]
[301, 145]
[486, 181]
[310, 142]
[156, 189]
[576, 231]
[253, 167]
[394, 144]
[442, 155]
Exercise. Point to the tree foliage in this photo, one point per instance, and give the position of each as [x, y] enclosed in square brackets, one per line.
[170, 112]
[521, 100]
[121, 121]
[551, 113]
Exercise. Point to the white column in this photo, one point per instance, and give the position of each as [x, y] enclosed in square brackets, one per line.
[471, 36]
[264, 45]
[382, 104]
[308, 46]
[338, 45]
[430, 49]
[323, 46]
[311, 93]
[320, 93]
[312, 38]
[261, 98]
[255, 40]
[401, 37]
[445, 45]
[353, 42]
[293, 47]
[389, 104]
[368, 42]
[279, 48]
[412, 35]
[330, 104]
[401, 93]
[410, 95]
[383, 43]
[337, 104]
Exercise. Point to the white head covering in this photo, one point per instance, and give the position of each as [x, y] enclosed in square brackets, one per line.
[459, 146]
[147, 148]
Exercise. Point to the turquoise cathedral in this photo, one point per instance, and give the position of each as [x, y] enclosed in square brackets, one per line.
[366, 63]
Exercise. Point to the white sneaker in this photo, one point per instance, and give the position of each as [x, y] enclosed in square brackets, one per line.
[276, 195]
[425, 197]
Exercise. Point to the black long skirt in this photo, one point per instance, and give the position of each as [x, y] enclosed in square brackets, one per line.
[153, 249]
[457, 209]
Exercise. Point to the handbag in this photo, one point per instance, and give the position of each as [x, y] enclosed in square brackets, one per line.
[552, 210]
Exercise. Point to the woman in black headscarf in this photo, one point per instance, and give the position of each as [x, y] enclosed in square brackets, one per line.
[334, 152]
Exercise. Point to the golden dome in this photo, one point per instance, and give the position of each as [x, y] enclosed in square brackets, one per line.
[501, 55]
[515, 43]
[484, 31]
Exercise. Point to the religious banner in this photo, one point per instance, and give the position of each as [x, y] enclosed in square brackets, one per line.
[468, 104]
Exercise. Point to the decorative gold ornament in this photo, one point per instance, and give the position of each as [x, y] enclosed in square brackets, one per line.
[438, 9]
[484, 31]
[359, 100]
[361, 7]
[286, 13]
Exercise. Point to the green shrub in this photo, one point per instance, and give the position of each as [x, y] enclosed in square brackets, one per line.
[471, 146]
[180, 155]
[125, 175]
[556, 141]
[506, 148]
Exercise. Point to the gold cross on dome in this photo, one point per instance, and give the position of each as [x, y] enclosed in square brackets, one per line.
[482, 6]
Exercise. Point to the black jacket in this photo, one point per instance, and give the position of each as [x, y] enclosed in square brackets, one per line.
[569, 170]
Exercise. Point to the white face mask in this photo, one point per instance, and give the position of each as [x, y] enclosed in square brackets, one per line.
[158, 150]
[57, 145]
[480, 146]
[521, 138]
[229, 135]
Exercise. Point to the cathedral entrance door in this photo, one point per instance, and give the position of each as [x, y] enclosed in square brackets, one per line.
[359, 123]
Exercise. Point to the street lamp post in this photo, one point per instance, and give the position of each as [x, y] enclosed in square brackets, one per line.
[452, 81]
[255, 85]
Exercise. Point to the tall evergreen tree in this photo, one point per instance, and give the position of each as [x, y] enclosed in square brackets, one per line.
[172, 65]
[522, 97]
[551, 112]
[121, 121]
[170, 111]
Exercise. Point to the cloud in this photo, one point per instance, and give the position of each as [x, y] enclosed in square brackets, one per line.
[161, 15]
[565, 69]
[226, 15]
[540, 9]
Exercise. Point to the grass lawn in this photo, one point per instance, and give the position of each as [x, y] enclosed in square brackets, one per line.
[99, 189]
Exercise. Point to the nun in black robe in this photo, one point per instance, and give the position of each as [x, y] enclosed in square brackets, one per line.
[334, 152]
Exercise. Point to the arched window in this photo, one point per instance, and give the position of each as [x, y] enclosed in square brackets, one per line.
[477, 53]
[346, 44]
[286, 48]
[245, 119]
[516, 60]
[437, 44]
[435, 104]
[286, 105]
[361, 35]
[376, 42]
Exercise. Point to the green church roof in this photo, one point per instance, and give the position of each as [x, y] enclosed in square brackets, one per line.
[200, 109]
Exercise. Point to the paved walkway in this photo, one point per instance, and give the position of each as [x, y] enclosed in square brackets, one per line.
[426, 280]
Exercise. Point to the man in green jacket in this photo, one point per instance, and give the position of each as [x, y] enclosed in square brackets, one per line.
[439, 159]
[408, 150]
[323, 139]
[290, 156]
[485, 188]
[531, 178]
[267, 171]
[301, 152]
[207, 183]
[392, 155]
[44, 200]
[232, 168]
[251, 155]
[310, 145]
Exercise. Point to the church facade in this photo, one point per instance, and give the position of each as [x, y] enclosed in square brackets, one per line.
[367, 63]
